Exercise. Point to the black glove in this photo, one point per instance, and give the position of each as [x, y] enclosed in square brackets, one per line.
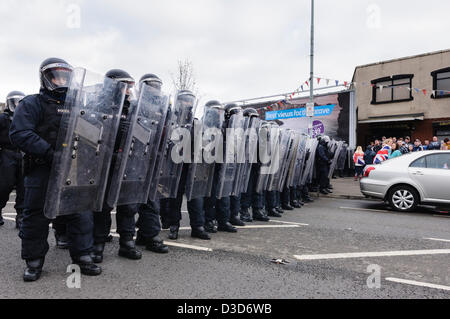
[49, 156]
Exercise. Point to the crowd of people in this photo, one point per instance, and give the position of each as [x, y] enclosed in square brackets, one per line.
[379, 151]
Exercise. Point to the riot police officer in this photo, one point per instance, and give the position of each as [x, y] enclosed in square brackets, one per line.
[10, 159]
[323, 162]
[125, 216]
[251, 198]
[219, 209]
[34, 130]
[149, 225]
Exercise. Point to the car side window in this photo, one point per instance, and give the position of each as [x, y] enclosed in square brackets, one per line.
[438, 161]
[420, 163]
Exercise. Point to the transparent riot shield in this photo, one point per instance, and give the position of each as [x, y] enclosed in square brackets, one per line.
[85, 144]
[269, 155]
[293, 162]
[308, 172]
[233, 139]
[337, 152]
[131, 178]
[207, 144]
[251, 151]
[275, 179]
[241, 157]
[299, 161]
[179, 128]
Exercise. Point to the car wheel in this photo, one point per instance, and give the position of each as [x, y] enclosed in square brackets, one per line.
[403, 198]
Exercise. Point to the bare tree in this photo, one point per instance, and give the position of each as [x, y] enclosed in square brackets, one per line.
[184, 79]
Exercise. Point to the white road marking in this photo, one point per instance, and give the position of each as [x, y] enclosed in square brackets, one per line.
[287, 223]
[366, 209]
[11, 219]
[437, 239]
[268, 226]
[417, 283]
[12, 203]
[374, 254]
[173, 244]
[9, 214]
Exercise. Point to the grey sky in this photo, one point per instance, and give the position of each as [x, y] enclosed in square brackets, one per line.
[240, 49]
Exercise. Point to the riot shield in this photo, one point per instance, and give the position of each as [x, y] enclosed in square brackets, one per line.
[252, 125]
[85, 144]
[288, 167]
[201, 173]
[234, 138]
[269, 151]
[299, 161]
[131, 178]
[294, 160]
[308, 172]
[242, 137]
[275, 179]
[337, 152]
[182, 119]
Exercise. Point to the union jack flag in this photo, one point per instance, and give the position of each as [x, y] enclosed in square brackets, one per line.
[382, 155]
[358, 159]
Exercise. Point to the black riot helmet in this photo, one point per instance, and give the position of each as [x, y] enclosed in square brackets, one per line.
[232, 109]
[55, 75]
[122, 76]
[13, 99]
[151, 80]
[214, 104]
[251, 113]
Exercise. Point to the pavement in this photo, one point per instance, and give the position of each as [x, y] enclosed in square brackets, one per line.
[333, 248]
[344, 188]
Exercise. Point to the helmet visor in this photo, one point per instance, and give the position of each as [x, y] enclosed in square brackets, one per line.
[57, 77]
[13, 102]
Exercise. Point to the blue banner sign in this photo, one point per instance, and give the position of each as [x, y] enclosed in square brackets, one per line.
[324, 110]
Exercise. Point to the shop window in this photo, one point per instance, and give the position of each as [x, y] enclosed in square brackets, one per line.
[395, 89]
[441, 83]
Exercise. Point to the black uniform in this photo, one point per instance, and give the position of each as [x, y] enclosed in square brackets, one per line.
[323, 164]
[10, 168]
[34, 130]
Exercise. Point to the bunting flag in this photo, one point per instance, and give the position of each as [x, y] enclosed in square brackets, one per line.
[318, 80]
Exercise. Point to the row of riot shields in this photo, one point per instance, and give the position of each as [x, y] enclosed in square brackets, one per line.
[91, 168]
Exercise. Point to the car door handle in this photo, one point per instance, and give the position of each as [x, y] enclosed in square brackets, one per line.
[418, 173]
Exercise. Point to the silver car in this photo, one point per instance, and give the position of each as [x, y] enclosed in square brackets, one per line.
[410, 180]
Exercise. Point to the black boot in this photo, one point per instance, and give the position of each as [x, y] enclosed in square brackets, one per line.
[295, 204]
[156, 245]
[279, 210]
[87, 266]
[173, 234]
[236, 221]
[324, 192]
[210, 228]
[34, 270]
[245, 216]
[200, 233]
[227, 227]
[97, 253]
[128, 250]
[259, 215]
[273, 213]
[287, 207]
[140, 240]
[62, 241]
[329, 191]
[2, 222]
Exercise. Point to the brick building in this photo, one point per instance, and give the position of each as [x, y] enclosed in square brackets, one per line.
[404, 97]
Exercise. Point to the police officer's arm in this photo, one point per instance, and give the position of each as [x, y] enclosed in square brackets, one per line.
[4, 139]
[23, 130]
